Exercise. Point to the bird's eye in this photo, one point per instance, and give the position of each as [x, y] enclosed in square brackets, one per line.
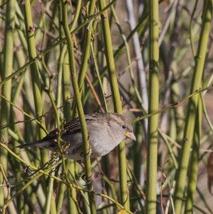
[123, 127]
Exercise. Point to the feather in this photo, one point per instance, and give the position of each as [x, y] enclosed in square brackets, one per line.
[40, 144]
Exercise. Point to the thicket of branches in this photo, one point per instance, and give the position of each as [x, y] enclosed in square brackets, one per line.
[152, 60]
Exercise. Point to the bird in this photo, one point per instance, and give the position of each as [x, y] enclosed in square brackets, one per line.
[105, 131]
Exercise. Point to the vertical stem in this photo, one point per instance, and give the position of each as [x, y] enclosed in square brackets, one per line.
[86, 51]
[193, 171]
[153, 106]
[67, 113]
[37, 92]
[36, 82]
[86, 47]
[66, 83]
[117, 103]
[60, 197]
[6, 89]
[50, 198]
[79, 104]
[192, 107]
[138, 53]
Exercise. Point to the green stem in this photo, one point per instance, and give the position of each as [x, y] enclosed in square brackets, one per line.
[60, 197]
[153, 106]
[192, 107]
[86, 45]
[117, 102]
[36, 81]
[67, 113]
[6, 89]
[48, 207]
[193, 171]
[79, 104]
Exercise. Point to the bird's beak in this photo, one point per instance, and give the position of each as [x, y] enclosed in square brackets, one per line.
[130, 135]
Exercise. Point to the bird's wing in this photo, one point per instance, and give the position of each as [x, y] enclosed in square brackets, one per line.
[70, 128]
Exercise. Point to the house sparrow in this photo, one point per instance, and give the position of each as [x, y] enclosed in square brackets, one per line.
[105, 130]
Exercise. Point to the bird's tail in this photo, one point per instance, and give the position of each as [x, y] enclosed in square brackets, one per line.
[39, 144]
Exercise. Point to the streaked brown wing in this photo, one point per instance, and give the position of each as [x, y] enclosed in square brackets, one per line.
[69, 128]
[74, 126]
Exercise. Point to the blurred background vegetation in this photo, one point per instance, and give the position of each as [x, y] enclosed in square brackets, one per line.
[152, 60]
